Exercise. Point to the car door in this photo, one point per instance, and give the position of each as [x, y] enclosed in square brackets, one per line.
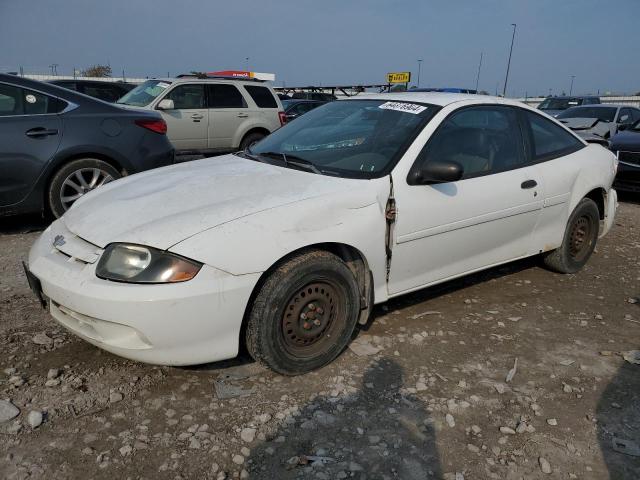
[30, 133]
[558, 156]
[188, 121]
[486, 218]
[228, 109]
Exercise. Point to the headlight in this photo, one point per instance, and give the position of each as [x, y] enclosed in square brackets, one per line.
[138, 264]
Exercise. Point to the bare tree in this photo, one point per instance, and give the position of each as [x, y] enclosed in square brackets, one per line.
[96, 71]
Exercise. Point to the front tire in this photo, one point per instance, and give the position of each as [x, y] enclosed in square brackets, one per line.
[304, 313]
[580, 238]
[251, 139]
[75, 179]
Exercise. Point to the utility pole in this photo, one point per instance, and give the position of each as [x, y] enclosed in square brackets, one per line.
[506, 78]
[478, 76]
[571, 88]
[419, 69]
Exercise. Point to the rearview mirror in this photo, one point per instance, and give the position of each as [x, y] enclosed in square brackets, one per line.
[165, 104]
[436, 172]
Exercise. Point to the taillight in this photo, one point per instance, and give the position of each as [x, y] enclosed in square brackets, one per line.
[283, 117]
[158, 126]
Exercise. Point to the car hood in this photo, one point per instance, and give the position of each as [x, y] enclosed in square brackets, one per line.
[164, 206]
[627, 140]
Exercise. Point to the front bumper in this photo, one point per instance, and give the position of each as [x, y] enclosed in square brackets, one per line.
[628, 177]
[187, 323]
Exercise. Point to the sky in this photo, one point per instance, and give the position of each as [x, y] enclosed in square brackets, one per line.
[337, 42]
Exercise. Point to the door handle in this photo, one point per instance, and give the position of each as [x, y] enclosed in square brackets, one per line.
[197, 116]
[528, 184]
[243, 115]
[40, 132]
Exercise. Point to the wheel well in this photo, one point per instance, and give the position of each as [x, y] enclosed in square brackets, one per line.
[598, 195]
[71, 158]
[352, 257]
[262, 130]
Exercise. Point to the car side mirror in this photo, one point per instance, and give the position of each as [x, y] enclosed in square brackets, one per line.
[436, 172]
[166, 104]
[623, 126]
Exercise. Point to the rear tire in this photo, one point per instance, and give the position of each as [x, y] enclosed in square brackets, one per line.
[75, 179]
[304, 313]
[580, 238]
[251, 139]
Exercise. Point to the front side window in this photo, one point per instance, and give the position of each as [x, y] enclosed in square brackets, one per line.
[223, 95]
[187, 97]
[625, 117]
[145, 93]
[483, 140]
[10, 100]
[548, 139]
[262, 96]
[351, 138]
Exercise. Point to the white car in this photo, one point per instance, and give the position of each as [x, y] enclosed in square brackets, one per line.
[287, 246]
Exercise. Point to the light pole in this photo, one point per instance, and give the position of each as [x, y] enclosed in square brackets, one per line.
[571, 88]
[419, 69]
[246, 64]
[478, 76]
[506, 78]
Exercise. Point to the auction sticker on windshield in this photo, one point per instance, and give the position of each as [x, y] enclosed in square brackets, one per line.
[404, 107]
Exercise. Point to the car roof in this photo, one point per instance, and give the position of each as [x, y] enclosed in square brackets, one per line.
[575, 96]
[603, 105]
[438, 98]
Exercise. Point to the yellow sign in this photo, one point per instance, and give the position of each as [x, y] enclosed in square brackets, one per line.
[399, 77]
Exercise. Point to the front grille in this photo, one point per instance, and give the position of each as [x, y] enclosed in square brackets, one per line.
[629, 157]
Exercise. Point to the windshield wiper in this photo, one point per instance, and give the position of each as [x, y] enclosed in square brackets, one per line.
[294, 161]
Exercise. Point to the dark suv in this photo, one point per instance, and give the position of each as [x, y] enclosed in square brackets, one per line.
[107, 91]
[56, 145]
[555, 105]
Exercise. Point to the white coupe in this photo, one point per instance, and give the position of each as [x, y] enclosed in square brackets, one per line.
[286, 246]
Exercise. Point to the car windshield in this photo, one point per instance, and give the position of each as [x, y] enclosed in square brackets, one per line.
[636, 127]
[145, 93]
[559, 103]
[351, 138]
[606, 114]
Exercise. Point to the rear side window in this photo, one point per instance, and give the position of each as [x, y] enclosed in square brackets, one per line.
[483, 140]
[262, 96]
[20, 101]
[187, 97]
[549, 140]
[223, 95]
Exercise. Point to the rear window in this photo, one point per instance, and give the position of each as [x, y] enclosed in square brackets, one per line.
[262, 96]
[221, 95]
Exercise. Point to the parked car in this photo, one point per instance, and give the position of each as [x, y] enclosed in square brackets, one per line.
[320, 96]
[286, 246]
[210, 115]
[294, 108]
[283, 96]
[443, 89]
[601, 121]
[554, 105]
[107, 91]
[626, 146]
[56, 145]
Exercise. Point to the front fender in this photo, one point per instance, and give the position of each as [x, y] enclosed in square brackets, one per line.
[253, 244]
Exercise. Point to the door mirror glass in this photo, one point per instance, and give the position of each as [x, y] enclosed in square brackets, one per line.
[437, 172]
[166, 104]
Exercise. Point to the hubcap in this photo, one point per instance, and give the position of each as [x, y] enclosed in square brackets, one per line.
[80, 182]
[580, 238]
[310, 318]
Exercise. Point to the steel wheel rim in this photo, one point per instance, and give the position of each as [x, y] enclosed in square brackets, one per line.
[311, 317]
[580, 240]
[80, 182]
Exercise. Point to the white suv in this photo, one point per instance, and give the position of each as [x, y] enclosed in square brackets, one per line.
[210, 115]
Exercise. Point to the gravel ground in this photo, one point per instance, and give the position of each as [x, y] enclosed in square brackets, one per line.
[422, 393]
